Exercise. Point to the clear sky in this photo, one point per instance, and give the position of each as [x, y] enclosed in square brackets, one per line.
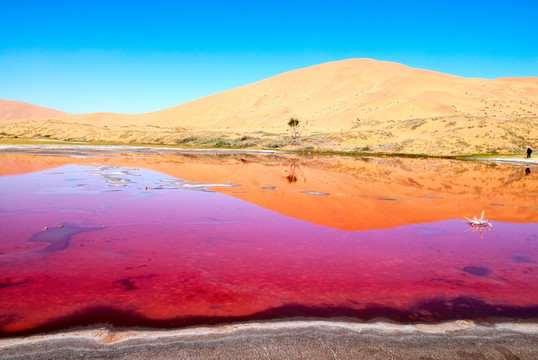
[136, 56]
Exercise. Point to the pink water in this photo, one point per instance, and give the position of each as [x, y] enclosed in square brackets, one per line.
[138, 247]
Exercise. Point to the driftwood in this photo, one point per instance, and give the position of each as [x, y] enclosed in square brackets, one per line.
[478, 224]
[481, 222]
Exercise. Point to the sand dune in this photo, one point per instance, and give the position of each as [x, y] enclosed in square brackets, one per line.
[379, 106]
[332, 96]
[11, 111]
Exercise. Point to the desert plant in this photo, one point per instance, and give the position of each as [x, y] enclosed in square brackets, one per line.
[185, 140]
[222, 143]
[294, 125]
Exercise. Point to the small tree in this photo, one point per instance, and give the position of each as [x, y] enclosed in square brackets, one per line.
[294, 125]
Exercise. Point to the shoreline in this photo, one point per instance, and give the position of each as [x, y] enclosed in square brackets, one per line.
[71, 150]
[313, 339]
[90, 150]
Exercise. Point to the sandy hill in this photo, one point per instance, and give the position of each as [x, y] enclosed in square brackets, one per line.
[357, 104]
[11, 111]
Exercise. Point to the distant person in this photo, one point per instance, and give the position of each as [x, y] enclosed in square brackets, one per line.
[527, 170]
[529, 152]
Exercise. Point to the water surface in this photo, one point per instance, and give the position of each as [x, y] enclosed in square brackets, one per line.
[174, 240]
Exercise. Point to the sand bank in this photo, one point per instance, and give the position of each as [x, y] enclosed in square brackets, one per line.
[287, 340]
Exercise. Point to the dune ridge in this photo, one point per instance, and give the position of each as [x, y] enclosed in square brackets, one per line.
[348, 105]
[12, 111]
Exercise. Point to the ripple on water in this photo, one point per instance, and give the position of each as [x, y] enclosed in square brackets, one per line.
[314, 193]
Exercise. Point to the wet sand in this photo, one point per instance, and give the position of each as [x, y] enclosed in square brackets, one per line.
[287, 340]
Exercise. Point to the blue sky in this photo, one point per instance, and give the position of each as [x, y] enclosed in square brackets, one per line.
[136, 56]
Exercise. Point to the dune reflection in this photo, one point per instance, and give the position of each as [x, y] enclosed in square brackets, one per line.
[363, 193]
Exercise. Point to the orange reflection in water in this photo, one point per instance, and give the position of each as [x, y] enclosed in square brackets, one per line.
[365, 193]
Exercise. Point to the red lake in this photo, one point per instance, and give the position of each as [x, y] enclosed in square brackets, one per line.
[171, 240]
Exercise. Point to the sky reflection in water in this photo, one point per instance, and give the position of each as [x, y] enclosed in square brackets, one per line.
[172, 241]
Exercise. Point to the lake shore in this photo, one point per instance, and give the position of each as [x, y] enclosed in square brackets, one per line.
[311, 339]
[69, 149]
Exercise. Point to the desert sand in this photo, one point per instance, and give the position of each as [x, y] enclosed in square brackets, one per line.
[349, 105]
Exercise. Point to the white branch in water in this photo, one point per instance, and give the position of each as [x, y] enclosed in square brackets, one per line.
[481, 222]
